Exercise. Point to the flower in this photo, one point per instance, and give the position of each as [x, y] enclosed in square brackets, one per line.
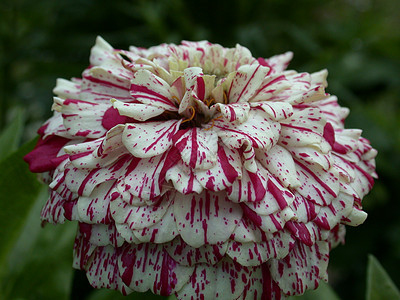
[201, 171]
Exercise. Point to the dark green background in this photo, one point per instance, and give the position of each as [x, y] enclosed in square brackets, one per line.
[358, 41]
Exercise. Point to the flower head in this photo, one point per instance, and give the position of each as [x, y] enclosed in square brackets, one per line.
[201, 171]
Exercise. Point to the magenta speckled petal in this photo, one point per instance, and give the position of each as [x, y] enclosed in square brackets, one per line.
[202, 172]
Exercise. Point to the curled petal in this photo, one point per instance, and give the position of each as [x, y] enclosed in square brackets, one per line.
[67, 89]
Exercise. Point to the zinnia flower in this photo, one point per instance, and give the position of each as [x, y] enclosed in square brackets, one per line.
[201, 171]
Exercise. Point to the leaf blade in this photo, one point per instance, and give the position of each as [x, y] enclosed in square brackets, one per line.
[18, 191]
[11, 136]
[379, 284]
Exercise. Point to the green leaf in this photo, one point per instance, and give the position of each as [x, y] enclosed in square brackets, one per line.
[379, 284]
[39, 266]
[11, 136]
[18, 190]
[324, 291]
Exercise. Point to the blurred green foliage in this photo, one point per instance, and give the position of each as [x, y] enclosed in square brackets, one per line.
[358, 41]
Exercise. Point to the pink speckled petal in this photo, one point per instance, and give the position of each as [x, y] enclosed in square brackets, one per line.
[275, 198]
[246, 82]
[82, 118]
[145, 178]
[150, 89]
[207, 218]
[53, 211]
[303, 268]
[318, 185]
[198, 148]
[149, 139]
[257, 132]
[254, 254]
[310, 157]
[235, 112]
[226, 280]
[162, 232]
[68, 89]
[277, 63]
[279, 161]
[102, 270]
[139, 217]
[277, 111]
[183, 179]
[187, 255]
[304, 209]
[95, 208]
[224, 173]
[270, 88]
[101, 84]
[137, 111]
[149, 267]
[83, 181]
[251, 187]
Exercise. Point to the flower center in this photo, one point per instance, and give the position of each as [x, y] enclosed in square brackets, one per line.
[202, 112]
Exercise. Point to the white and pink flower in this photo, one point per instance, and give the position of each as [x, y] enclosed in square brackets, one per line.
[200, 171]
